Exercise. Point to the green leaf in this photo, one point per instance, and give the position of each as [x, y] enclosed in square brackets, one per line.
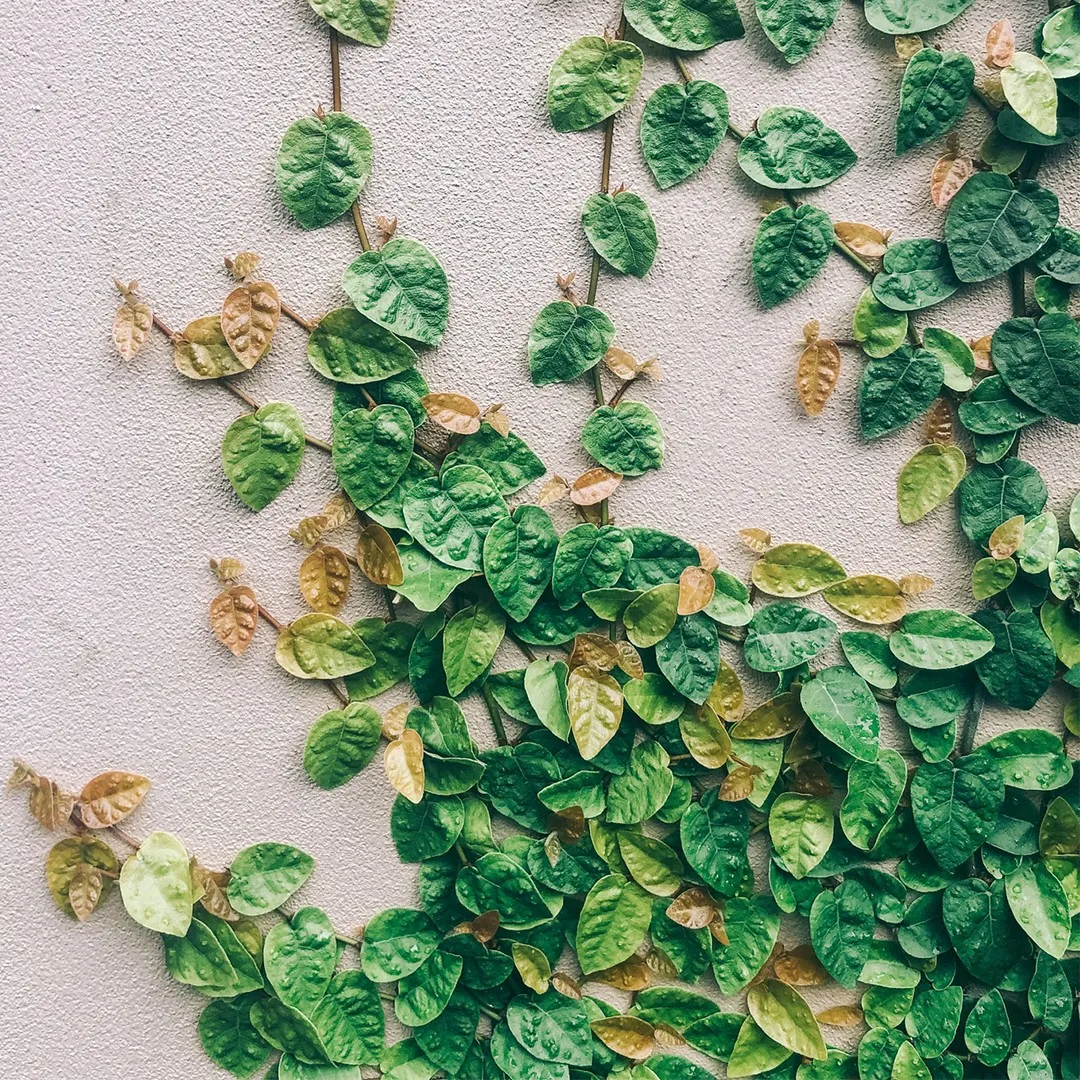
[350, 348]
[982, 930]
[652, 864]
[497, 882]
[229, 1039]
[1052, 296]
[933, 96]
[987, 1032]
[372, 450]
[955, 805]
[639, 793]
[404, 1061]
[991, 494]
[651, 617]
[714, 835]
[689, 656]
[658, 557]
[896, 389]
[1018, 671]
[939, 639]
[263, 876]
[782, 636]
[782, 1013]
[612, 924]
[427, 582]
[422, 996]
[992, 225]
[548, 624]
[319, 646]
[873, 794]
[341, 743]
[519, 552]
[801, 829]
[470, 641]
[366, 21]
[796, 26]
[992, 410]
[878, 329]
[155, 885]
[754, 1052]
[425, 829]
[261, 453]
[299, 958]
[566, 340]
[842, 708]
[791, 149]
[402, 287]
[841, 930]
[621, 231]
[653, 699]
[551, 1027]
[752, 926]
[396, 942]
[794, 570]
[1040, 906]
[512, 1059]
[1029, 1063]
[1050, 994]
[507, 459]
[888, 966]
[451, 515]
[1060, 256]
[391, 644]
[957, 359]
[681, 127]
[198, 959]
[447, 1041]
[916, 273]
[868, 653]
[322, 166]
[1040, 363]
[591, 80]
[588, 558]
[927, 479]
[387, 511]
[626, 439]
[546, 690]
[689, 25]
[1059, 43]
[912, 16]
[729, 604]
[791, 246]
[287, 1029]
[1030, 89]
[350, 1019]
[513, 779]
[934, 1019]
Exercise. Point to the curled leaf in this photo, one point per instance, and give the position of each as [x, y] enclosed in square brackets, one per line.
[696, 588]
[757, 540]
[594, 486]
[630, 660]
[249, 317]
[338, 511]
[227, 570]
[377, 556]
[632, 974]
[201, 351]
[566, 986]
[949, 174]
[915, 584]
[498, 418]
[800, 967]
[242, 265]
[110, 797]
[453, 412]
[1000, 44]
[394, 721]
[404, 761]
[817, 373]
[324, 579]
[553, 490]
[1007, 537]
[483, 928]
[234, 614]
[621, 363]
[864, 240]
[981, 350]
[840, 1016]
[50, 804]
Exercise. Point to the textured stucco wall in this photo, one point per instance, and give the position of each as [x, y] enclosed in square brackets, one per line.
[139, 139]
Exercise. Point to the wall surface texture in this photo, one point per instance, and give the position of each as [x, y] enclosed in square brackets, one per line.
[139, 141]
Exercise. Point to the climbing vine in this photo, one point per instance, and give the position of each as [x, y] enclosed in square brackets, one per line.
[929, 880]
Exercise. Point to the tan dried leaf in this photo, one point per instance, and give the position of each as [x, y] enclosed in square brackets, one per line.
[377, 556]
[907, 45]
[553, 490]
[629, 1036]
[234, 614]
[84, 890]
[652, 370]
[631, 974]
[132, 322]
[817, 374]
[249, 318]
[981, 349]
[594, 486]
[110, 797]
[696, 588]
[757, 540]
[811, 331]
[394, 721]
[949, 174]
[661, 964]
[707, 557]
[718, 929]
[242, 265]
[227, 570]
[630, 660]
[386, 226]
[212, 884]
[800, 967]
[1000, 44]
[667, 1037]
[940, 423]
[864, 240]
[498, 418]
[324, 579]
[621, 364]
[915, 584]
[693, 909]
[565, 285]
[339, 510]
[49, 804]
[311, 530]
[22, 775]
[840, 1016]
[596, 649]
[1006, 538]
[566, 986]
[453, 412]
[404, 762]
[738, 784]
[568, 824]
[552, 848]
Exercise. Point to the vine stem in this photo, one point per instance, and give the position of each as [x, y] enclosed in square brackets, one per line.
[496, 717]
[971, 725]
[335, 89]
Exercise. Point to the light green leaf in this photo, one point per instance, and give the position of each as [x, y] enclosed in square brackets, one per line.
[621, 231]
[341, 743]
[566, 340]
[782, 1013]
[591, 80]
[782, 636]
[842, 708]
[155, 885]
[396, 942]
[612, 924]
[957, 359]
[652, 864]
[507, 459]
[637, 794]
[366, 21]
[791, 246]
[689, 25]
[650, 617]
[319, 646]
[912, 16]
[939, 639]
[796, 26]
[873, 794]
[987, 1032]
[1030, 89]
[879, 330]
[801, 829]
[1039, 904]
[350, 1019]
[681, 127]
[262, 452]
[299, 958]
[868, 653]
[348, 347]
[793, 570]
[262, 877]
[955, 805]
[422, 996]
[1029, 1063]
[754, 1052]
[470, 641]
[927, 479]
[1060, 42]
[289, 1030]
[594, 703]
[916, 273]
[791, 149]
[933, 95]
[551, 1027]
[546, 690]
[752, 926]
[626, 439]
[372, 450]
[428, 583]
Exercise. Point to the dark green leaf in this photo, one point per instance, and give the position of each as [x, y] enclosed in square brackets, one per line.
[681, 127]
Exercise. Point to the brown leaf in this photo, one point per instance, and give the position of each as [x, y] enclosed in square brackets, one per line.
[249, 318]
[394, 721]
[596, 649]
[661, 964]
[630, 660]
[386, 226]
[800, 967]
[242, 265]
[453, 412]
[667, 1037]
[552, 849]
[212, 884]
[1006, 538]
[915, 584]
[981, 349]
[907, 45]
[939, 423]
[949, 174]
[757, 540]
[110, 797]
[484, 927]
[49, 804]
[811, 331]
[324, 579]
[227, 570]
[693, 909]
[652, 370]
[840, 1016]
[696, 588]
[566, 986]
[565, 285]
[817, 374]
[84, 890]
[568, 824]
[498, 418]
[629, 1036]
[864, 240]
[22, 775]
[404, 763]
[718, 929]
[631, 974]
[738, 784]
[234, 614]
[377, 556]
[132, 322]
[621, 363]
[707, 557]
[1000, 44]
[553, 490]
[811, 779]
[594, 486]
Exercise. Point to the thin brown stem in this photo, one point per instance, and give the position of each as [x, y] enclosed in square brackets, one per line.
[171, 334]
[358, 221]
[618, 395]
[277, 624]
[335, 68]
[290, 313]
[496, 717]
[525, 650]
